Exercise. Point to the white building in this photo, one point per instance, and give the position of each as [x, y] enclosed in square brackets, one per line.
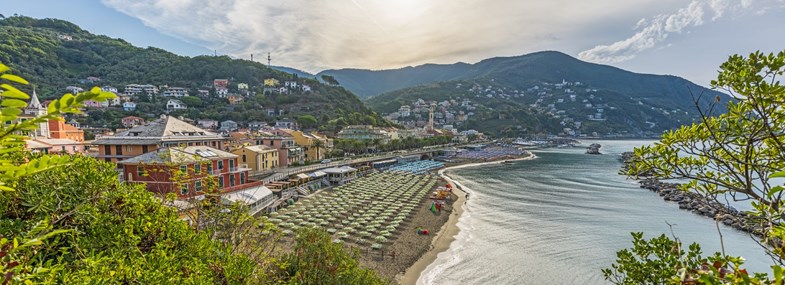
[174, 105]
[175, 92]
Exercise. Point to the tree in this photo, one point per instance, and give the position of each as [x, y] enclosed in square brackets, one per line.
[330, 80]
[192, 101]
[317, 260]
[307, 121]
[736, 155]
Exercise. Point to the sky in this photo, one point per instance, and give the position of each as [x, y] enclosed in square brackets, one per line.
[687, 38]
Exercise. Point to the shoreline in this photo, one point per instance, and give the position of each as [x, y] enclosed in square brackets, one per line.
[443, 239]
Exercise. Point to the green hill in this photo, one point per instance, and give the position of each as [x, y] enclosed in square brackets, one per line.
[526, 94]
[53, 54]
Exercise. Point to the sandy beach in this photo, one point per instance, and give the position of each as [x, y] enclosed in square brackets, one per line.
[446, 235]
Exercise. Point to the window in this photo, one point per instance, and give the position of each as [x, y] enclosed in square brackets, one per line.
[231, 165]
[242, 178]
[184, 169]
[198, 186]
[62, 148]
[119, 149]
[243, 158]
[108, 150]
[221, 182]
[139, 171]
[231, 180]
[128, 148]
[198, 168]
[184, 189]
[220, 165]
[210, 167]
[144, 149]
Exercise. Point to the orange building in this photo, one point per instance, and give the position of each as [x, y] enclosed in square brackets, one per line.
[165, 132]
[58, 129]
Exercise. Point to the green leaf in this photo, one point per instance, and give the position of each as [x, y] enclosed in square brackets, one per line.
[14, 103]
[14, 78]
[12, 92]
[780, 174]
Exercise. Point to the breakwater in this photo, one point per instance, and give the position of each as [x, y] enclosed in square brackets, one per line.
[700, 204]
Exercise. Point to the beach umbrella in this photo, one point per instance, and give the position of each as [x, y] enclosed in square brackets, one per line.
[380, 239]
[331, 230]
[287, 232]
[342, 235]
[376, 246]
[337, 241]
[365, 233]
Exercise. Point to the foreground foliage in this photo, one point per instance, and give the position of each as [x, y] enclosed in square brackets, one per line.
[68, 220]
[737, 155]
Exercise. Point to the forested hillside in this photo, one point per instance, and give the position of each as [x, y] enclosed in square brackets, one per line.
[54, 54]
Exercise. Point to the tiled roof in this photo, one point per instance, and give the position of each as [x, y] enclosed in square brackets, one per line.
[164, 129]
[179, 155]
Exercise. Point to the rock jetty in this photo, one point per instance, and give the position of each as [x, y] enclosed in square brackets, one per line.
[703, 206]
[700, 205]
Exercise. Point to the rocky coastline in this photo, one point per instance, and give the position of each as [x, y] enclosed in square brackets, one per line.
[701, 205]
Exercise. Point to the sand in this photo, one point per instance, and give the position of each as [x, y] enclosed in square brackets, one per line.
[446, 235]
[441, 242]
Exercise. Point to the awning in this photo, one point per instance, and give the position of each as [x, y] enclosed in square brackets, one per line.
[302, 176]
[317, 174]
[250, 195]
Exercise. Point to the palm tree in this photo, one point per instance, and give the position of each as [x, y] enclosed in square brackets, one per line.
[318, 144]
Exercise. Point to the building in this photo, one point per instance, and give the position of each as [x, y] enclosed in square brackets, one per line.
[208, 124]
[286, 124]
[308, 141]
[363, 132]
[35, 109]
[174, 105]
[221, 83]
[165, 132]
[194, 171]
[49, 145]
[256, 125]
[58, 129]
[288, 152]
[129, 106]
[271, 82]
[132, 121]
[235, 99]
[229, 125]
[139, 89]
[221, 92]
[175, 92]
[242, 86]
[258, 157]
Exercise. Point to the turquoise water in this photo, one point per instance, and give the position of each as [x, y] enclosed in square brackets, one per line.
[560, 218]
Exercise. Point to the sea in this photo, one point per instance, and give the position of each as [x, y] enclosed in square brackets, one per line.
[560, 219]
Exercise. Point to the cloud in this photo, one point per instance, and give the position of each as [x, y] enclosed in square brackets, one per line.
[654, 31]
[314, 35]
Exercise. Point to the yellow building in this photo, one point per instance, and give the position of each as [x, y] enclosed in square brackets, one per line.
[271, 82]
[309, 142]
[257, 157]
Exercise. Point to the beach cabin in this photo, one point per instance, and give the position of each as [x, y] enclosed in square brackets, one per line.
[340, 175]
[384, 164]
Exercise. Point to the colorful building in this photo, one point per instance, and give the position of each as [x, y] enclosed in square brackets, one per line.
[193, 171]
[258, 157]
[165, 132]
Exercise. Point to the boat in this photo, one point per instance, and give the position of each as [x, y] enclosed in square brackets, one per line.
[594, 148]
[508, 162]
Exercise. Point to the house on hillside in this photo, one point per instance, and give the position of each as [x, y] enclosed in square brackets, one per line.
[229, 125]
[132, 121]
[174, 105]
[207, 123]
[129, 106]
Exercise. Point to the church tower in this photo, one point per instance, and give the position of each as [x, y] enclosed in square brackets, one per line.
[429, 127]
[36, 109]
